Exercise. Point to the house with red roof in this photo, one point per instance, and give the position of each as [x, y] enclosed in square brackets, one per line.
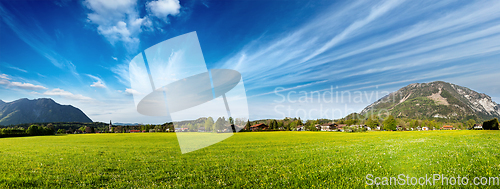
[259, 126]
[447, 127]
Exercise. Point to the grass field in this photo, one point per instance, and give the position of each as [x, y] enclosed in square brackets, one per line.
[245, 160]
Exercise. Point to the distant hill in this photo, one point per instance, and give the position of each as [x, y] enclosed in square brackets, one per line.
[39, 111]
[436, 100]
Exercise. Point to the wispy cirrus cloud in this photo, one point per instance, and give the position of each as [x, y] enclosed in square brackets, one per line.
[379, 41]
[37, 38]
[121, 73]
[375, 13]
[14, 68]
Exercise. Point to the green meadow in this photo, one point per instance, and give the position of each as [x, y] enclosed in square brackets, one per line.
[245, 160]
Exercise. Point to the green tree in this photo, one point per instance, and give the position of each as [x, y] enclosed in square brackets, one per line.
[158, 128]
[61, 131]
[209, 124]
[372, 122]
[33, 130]
[470, 123]
[390, 123]
[287, 126]
[491, 124]
[293, 125]
[220, 124]
[280, 125]
[433, 125]
[190, 127]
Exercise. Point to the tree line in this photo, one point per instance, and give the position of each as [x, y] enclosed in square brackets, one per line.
[351, 122]
[33, 130]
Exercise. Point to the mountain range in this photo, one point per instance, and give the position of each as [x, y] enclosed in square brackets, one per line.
[40, 110]
[436, 100]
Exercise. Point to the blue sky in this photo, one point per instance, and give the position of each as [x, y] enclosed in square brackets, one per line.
[77, 52]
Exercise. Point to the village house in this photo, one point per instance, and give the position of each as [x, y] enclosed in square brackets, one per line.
[318, 127]
[325, 128]
[340, 127]
[259, 126]
[181, 129]
[447, 127]
[328, 127]
[478, 127]
[425, 128]
[300, 128]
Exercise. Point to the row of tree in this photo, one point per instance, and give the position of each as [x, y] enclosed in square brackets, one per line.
[33, 130]
[209, 125]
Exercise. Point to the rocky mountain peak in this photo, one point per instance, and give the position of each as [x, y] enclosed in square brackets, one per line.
[436, 99]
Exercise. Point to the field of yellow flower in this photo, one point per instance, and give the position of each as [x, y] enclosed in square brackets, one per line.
[245, 160]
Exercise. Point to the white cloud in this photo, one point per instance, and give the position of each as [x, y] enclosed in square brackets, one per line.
[65, 94]
[114, 58]
[119, 20]
[26, 86]
[115, 20]
[4, 76]
[98, 83]
[4, 80]
[163, 8]
[132, 92]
